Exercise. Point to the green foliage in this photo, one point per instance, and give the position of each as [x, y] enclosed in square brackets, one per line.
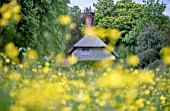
[152, 13]
[149, 37]
[23, 34]
[131, 38]
[4, 101]
[29, 25]
[51, 33]
[167, 36]
[148, 56]
[85, 64]
[157, 64]
[79, 19]
[130, 18]
[39, 27]
[122, 15]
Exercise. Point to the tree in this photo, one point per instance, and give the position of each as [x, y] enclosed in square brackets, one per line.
[148, 56]
[78, 18]
[121, 15]
[39, 27]
[51, 33]
[152, 13]
[167, 36]
[149, 37]
[28, 27]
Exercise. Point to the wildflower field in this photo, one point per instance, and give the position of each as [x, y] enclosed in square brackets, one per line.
[30, 83]
[103, 86]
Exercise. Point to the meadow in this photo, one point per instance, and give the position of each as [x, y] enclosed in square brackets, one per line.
[100, 86]
[30, 83]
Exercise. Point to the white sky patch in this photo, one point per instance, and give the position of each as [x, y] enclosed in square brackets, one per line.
[83, 3]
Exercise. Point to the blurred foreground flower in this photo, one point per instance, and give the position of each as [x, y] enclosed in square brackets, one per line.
[72, 59]
[32, 54]
[165, 52]
[46, 69]
[1, 64]
[10, 11]
[90, 32]
[133, 60]
[68, 36]
[113, 80]
[65, 19]
[109, 47]
[72, 25]
[101, 32]
[14, 76]
[114, 34]
[59, 58]
[11, 50]
[17, 108]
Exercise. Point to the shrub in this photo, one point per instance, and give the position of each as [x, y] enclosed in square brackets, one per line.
[157, 64]
[147, 57]
[149, 38]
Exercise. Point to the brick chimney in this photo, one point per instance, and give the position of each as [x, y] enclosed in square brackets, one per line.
[89, 19]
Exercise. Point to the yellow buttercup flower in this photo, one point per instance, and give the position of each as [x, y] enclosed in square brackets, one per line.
[46, 69]
[148, 102]
[65, 19]
[162, 97]
[10, 11]
[82, 74]
[90, 32]
[47, 63]
[3, 22]
[110, 48]
[11, 50]
[132, 94]
[113, 80]
[166, 55]
[67, 36]
[15, 61]
[133, 60]
[140, 102]
[17, 17]
[7, 15]
[81, 107]
[101, 32]
[59, 58]
[32, 54]
[17, 108]
[14, 76]
[34, 70]
[16, 9]
[165, 50]
[1, 64]
[72, 59]
[7, 60]
[6, 69]
[4, 8]
[114, 34]
[166, 59]
[72, 26]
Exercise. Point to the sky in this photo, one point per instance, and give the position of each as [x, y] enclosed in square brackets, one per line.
[86, 3]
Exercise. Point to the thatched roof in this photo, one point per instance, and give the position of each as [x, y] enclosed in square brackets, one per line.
[90, 42]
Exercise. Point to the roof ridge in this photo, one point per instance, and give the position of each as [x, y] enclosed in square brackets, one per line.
[93, 41]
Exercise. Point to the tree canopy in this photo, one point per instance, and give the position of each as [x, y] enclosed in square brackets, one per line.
[39, 27]
[130, 18]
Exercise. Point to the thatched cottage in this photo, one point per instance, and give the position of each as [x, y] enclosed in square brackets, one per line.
[91, 48]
